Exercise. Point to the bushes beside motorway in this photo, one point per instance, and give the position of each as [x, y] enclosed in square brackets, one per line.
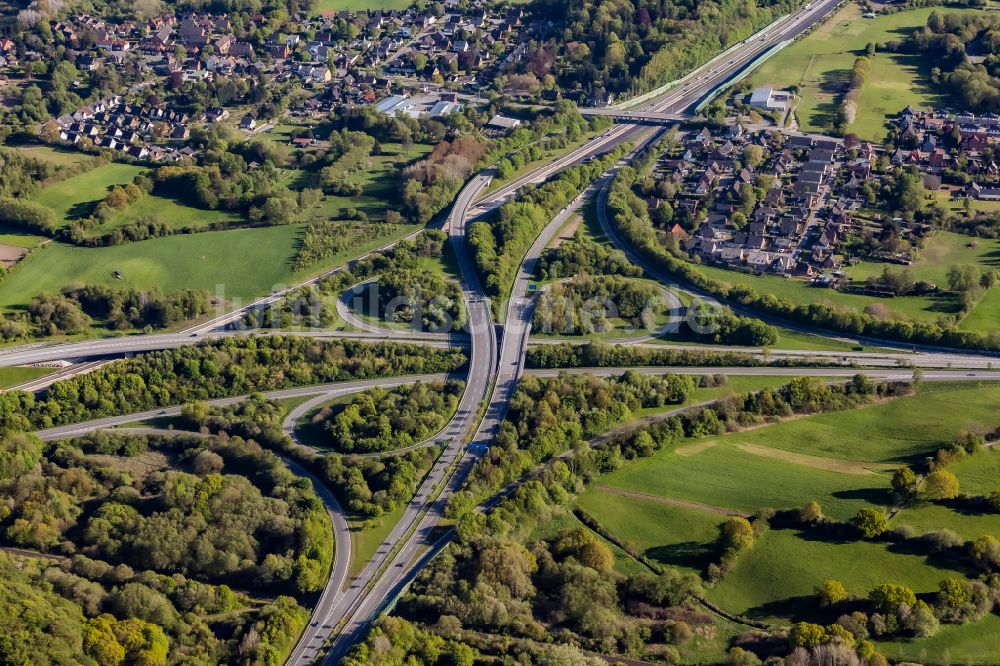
[434, 301]
[602, 355]
[583, 255]
[385, 419]
[499, 245]
[548, 416]
[217, 369]
[628, 213]
[585, 304]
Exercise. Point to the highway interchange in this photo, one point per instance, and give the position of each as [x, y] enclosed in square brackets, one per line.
[346, 607]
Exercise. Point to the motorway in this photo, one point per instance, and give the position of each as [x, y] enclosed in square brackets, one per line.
[344, 615]
[353, 608]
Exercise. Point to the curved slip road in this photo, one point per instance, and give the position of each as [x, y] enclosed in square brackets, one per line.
[346, 312]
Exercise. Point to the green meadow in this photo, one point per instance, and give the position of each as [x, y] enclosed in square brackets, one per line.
[76, 196]
[248, 262]
[776, 580]
[717, 473]
[820, 64]
[14, 376]
[890, 433]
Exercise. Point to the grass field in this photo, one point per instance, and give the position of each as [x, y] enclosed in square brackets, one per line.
[75, 197]
[167, 211]
[820, 65]
[58, 156]
[246, 262]
[672, 535]
[18, 238]
[15, 376]
[365, 542]
[941, 251]
[776, 579]
[978, 474]
[717, 473]
[900, 430]
[973, 643]
[985, 314]
[917, 308]
[323, 6]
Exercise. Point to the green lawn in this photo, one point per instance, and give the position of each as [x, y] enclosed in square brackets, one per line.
[917, 308]
[941, 251]
[365, 542]
[166, 211]
[973, 643]
[15, 376]
[58, 156]
[900, 430]
[985, 315]
[19, 238]
[978, 474]
[927, 517]
[74, 197]
[776, 579]
[245, 262]
[672, 535]
[719, 474]
[323, 6]
[820, 65]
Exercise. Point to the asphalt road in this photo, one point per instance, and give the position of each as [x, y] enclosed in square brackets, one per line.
[353, 610]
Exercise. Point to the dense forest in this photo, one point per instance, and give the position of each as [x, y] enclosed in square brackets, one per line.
[217, 369]
[622, 48]
[386, 419]
[150, 533]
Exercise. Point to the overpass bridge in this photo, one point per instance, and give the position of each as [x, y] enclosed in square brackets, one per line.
[635, 117]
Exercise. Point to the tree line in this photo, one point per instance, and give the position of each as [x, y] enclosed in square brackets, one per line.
[75, 310]
[216, 369]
